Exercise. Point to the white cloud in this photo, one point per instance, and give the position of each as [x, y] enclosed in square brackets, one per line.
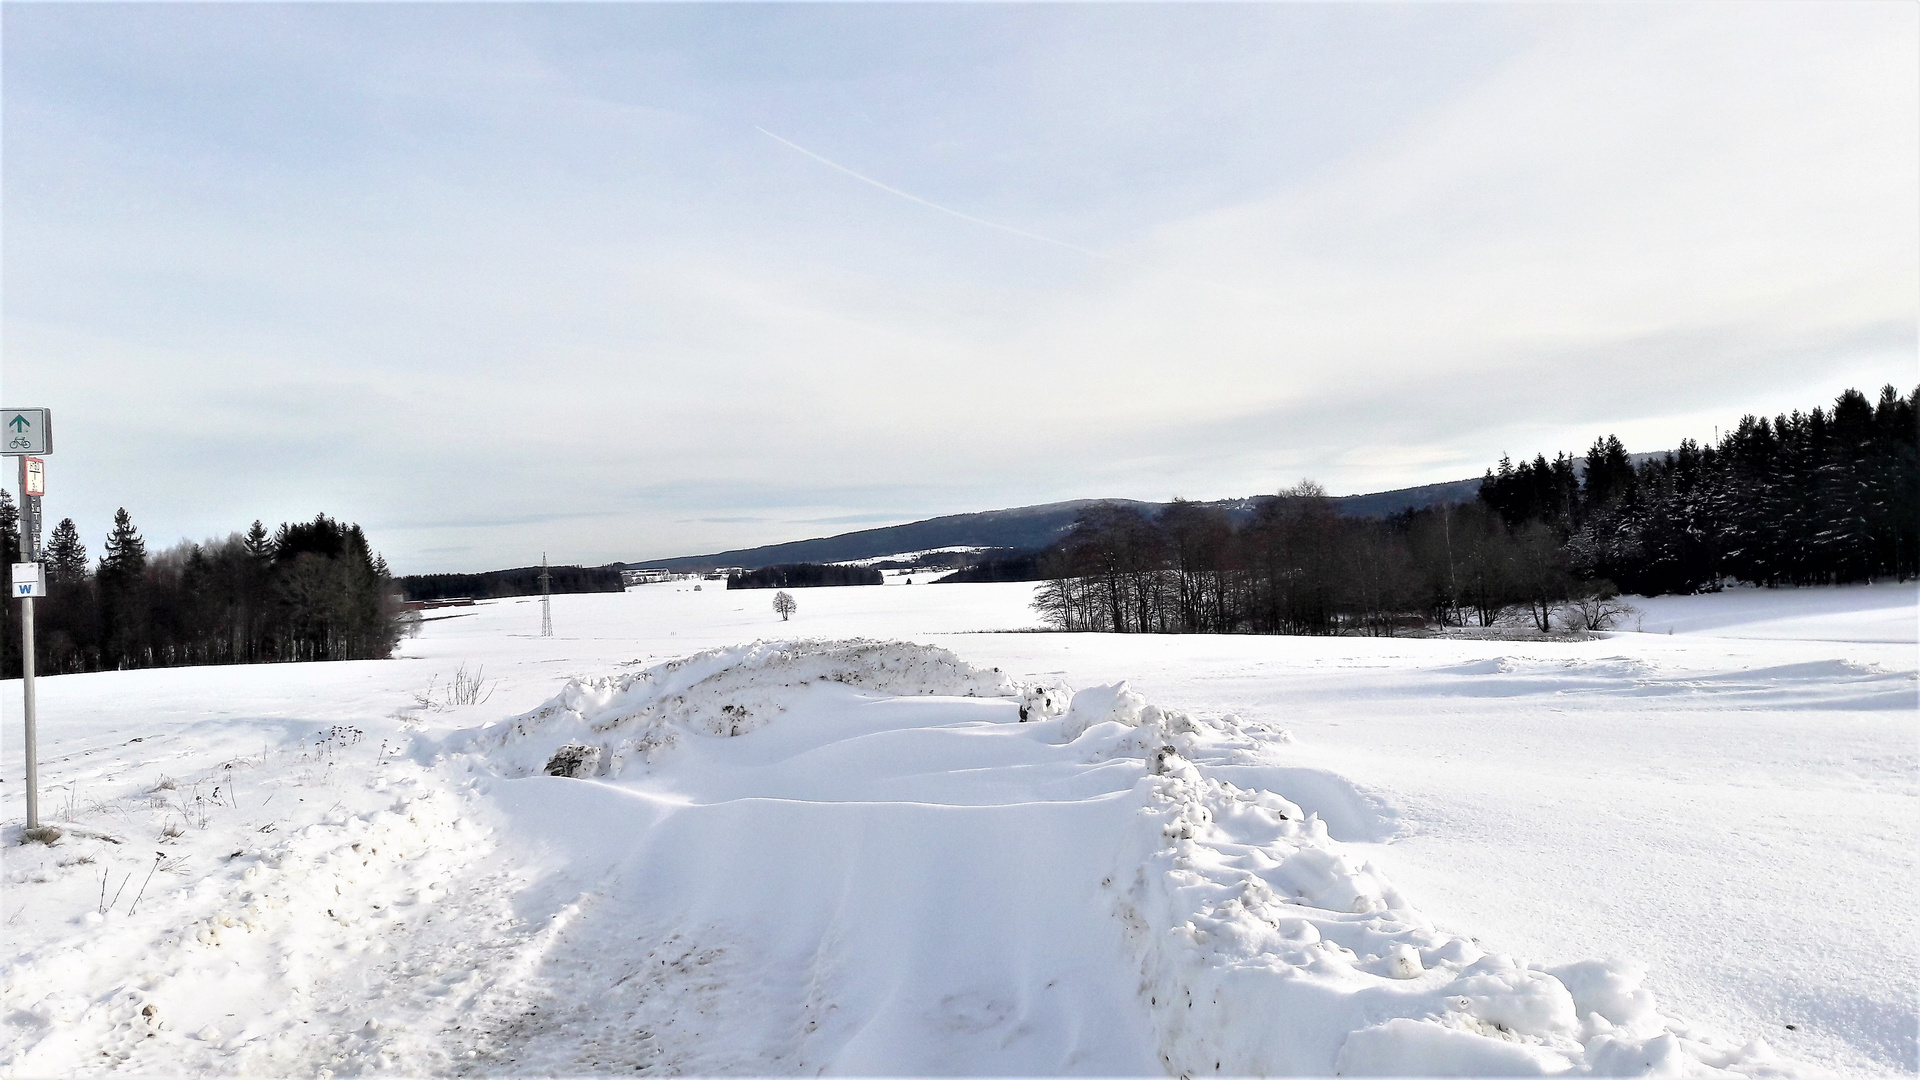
[492, 284]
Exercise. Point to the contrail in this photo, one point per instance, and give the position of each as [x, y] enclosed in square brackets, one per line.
[910, 197]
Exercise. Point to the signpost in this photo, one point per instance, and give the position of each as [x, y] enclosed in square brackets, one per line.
[26, 431]
[28, 435]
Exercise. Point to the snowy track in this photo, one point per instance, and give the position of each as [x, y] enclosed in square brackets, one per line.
[849, 857]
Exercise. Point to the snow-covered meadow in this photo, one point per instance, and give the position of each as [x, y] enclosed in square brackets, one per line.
[1679, 848]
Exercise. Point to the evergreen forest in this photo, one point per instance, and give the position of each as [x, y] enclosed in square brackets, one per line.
[522, 581]
[1827, 497]
[803, 575]
[310, 590]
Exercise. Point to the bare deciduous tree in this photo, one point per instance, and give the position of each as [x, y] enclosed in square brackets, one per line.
[1597, 607]
[785, 605]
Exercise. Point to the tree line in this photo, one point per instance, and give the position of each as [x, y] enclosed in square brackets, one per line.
[803, 575]
[1817, 498]
[1825, 497]
[523, 581]
[1019, 566]
[309, 590]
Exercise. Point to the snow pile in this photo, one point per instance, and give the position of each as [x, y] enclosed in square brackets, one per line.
[1251, 941]
[620, 721]
[1266, 947]
[261, 945]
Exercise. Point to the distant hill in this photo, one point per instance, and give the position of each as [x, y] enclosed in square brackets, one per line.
[1385, 503]
[1023, 528]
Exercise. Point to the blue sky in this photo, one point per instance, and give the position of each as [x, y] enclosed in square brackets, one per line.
[621, 281]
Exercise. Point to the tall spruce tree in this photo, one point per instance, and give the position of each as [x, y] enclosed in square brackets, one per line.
[124, 613]
[1609, 474]
[250, 588]
[126, 551]
[66, 555]
[258, 543]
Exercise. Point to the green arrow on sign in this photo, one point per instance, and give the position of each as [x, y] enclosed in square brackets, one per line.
[19, 423]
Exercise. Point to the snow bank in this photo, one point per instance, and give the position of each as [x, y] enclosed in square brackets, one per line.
[272, 939]
[633, 718]
[1266, 947]
[1257, 943]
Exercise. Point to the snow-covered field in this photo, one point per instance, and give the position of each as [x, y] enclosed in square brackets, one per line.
[1652, 851]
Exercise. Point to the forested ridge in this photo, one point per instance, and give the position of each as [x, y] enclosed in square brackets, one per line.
[1830, 496]
[310, 590]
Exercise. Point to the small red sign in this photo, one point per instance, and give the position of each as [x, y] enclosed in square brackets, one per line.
[36, 476]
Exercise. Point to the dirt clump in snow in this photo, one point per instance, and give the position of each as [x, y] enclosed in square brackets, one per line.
[574, 760]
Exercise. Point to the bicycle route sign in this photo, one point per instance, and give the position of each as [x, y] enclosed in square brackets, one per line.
[26, 431]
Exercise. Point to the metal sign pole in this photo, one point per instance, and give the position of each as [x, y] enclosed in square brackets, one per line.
[29, 552]
[24, 433]
[32, 744]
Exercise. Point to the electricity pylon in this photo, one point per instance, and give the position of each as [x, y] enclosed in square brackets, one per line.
[546, 598]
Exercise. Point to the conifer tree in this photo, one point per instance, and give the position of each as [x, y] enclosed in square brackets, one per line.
[251, 591]
[9, 554]
[257, 542]
[124, 610]
[9, 528]
[66, 555]
[1609, 474]
[126, 550]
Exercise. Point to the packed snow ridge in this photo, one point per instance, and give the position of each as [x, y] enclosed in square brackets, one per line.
[819, 857]
[1259, 944]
